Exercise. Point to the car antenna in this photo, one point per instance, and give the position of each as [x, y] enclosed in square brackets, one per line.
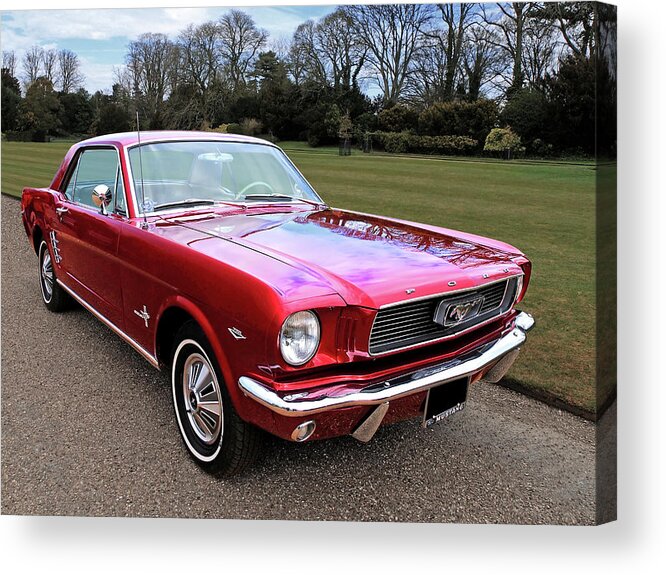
[143, 195]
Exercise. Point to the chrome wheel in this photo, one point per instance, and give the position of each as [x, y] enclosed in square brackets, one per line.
[47, 274]
[202, 398]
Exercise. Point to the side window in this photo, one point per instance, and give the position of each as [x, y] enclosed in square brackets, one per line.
[69, 190]
[96, 166]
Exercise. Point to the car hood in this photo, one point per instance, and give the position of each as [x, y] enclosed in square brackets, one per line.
[368, 260]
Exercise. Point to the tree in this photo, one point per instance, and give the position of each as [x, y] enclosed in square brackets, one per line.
[392, 36]
[307, 61]
[198, 50]
[32, 63]
[77, 113]
[510, 23]
[40, 110]
[151, 61]
[338, 43]
[577, 22]
[240, 42]
[199, 70]
[482, 61]
[10, 101]
[572, 105]
[112, 118]
[526, 112]
[450, 41]
[9, 62]
[49, 64]
[70, 77]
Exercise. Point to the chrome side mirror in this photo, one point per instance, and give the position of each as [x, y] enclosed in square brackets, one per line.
[101, 197]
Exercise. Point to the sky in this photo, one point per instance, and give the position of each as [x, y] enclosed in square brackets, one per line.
[100, 37]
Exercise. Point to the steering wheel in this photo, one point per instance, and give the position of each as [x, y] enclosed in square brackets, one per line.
[251, 185]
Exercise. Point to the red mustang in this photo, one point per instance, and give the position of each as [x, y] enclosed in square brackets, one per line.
[214, 258]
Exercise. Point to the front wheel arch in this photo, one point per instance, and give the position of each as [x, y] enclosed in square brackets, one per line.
[176, 312]
[37, 237]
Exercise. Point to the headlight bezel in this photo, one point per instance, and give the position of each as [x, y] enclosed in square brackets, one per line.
[282, 338]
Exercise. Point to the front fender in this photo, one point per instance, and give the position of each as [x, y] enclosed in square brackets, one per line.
[213, 335]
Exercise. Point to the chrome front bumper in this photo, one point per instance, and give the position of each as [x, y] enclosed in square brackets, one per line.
[310, 403]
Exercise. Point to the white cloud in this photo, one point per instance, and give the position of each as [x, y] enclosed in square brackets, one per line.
[101, 24]
[84, 30]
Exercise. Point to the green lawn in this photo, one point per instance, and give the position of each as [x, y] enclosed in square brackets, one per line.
[545, 209]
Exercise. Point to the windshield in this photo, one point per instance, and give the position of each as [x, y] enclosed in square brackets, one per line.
[197, 173]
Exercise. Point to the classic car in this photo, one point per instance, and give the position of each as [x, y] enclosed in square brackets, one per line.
[214, 258]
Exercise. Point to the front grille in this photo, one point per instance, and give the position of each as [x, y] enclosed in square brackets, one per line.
[411, 323]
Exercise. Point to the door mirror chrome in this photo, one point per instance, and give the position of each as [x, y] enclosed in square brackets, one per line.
[101, 197]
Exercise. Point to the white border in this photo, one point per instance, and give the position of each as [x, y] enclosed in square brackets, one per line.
[633, 544]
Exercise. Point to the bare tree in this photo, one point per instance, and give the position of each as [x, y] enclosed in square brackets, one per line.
[343, 53]
[456, 19]
[199, 54]
[69, 76]
[510, 21]
[32, 64]
[240, 42]
[540, 48]
[576, 22]
[9, 62]
[429, 72]
[392, 35]
[50, 64]
[482, 60]
[151, 61]
[305, 57]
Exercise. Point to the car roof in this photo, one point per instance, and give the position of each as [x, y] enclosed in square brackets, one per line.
[132, 138]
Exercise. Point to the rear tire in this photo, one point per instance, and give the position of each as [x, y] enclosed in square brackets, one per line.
[215, 436]
[55, 298]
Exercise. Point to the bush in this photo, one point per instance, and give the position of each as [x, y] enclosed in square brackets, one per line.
[394, 142]
[27, 136]
[526, 113]
[221, 129]
[397, 118]
[503, 139]
[471, 119]
[401, 142]
[313, 139]
[251, 126]
[234, 128]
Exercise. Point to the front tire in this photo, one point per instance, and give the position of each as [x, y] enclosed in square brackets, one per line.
[215, 436]
[54, 297]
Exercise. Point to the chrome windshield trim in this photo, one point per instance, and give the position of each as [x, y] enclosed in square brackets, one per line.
[139, 212]
[300, 404]
[112, 326]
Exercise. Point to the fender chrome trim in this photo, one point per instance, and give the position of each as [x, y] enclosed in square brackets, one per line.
[309, 403]
[112, 326]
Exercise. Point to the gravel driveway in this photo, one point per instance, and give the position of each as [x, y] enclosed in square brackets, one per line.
[88, 429]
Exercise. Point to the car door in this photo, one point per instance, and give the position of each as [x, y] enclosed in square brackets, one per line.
[87, 238]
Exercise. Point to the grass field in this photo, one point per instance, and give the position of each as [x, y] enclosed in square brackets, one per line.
[545, 209]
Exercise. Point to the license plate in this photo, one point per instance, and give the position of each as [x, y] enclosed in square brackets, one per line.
[445, 400]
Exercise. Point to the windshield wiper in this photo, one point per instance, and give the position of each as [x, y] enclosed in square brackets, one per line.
[188, 202]
[280, 197]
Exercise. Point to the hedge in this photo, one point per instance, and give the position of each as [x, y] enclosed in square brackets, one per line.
[401, 142]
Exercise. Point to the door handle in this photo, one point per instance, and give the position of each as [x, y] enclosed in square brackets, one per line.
[61, 210]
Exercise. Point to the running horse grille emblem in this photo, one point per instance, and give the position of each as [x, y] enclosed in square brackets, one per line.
[452, 313]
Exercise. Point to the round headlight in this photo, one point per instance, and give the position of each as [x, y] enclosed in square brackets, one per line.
[519, 289]
[299, 337]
